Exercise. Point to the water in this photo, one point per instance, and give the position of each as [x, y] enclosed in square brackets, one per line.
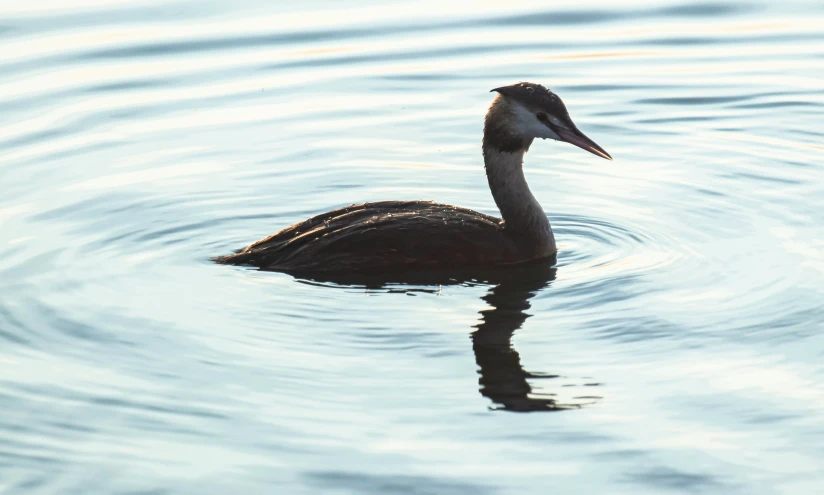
[681, 331]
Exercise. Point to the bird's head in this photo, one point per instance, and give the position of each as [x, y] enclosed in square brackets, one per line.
[525, 111]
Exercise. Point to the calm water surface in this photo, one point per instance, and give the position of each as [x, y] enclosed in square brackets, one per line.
[681, 332]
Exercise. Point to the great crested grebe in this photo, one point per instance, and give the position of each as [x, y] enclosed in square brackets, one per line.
[423, 235]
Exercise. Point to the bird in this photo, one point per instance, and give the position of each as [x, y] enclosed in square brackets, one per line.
[407, 236]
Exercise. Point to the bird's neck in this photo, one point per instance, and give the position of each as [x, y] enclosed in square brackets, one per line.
[522, 214]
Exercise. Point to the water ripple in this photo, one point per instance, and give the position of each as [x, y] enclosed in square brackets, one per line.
[140, 139]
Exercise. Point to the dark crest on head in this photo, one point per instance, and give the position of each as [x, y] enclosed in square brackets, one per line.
[536, 97]
[533, 96]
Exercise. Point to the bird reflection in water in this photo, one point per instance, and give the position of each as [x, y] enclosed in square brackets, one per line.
[502, 378]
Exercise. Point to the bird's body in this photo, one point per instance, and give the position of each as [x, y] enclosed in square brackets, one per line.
[390, 235]
[422, 235]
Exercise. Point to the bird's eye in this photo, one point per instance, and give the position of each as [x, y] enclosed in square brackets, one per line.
[542, 117]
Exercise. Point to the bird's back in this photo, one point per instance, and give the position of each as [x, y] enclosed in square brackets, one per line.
[388, 235]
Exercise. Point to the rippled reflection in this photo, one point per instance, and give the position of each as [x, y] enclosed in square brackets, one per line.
[502, 378]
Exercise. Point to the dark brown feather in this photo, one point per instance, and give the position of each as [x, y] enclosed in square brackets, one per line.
[387, 235]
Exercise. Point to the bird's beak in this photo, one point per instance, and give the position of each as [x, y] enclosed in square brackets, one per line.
[576, 137]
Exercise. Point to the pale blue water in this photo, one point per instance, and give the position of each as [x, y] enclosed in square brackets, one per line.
[685, 315]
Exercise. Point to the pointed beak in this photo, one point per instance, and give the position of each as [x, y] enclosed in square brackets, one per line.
[576, 137]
